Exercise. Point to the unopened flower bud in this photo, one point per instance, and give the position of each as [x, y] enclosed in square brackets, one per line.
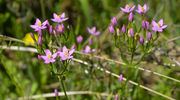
[40, 32]
[68, 27]
[147, 25]
[32, 36]
[141, 40]
[143, 24]
[50, 29]
[79, 39]
[111, 29]
[56, 92]
[114, 21]
[131, 32]
[137, 36]
[149, 36]
[131, 17]
[90, 41]
[40, 40]
[118, 31]
[120, 78]
[116, 97]
[123, 29]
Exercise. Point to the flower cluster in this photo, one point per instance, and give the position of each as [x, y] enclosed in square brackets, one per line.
[64, 55]
[132, 36]
[39, 27]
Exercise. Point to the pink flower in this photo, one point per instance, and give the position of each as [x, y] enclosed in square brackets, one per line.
[65, 54]
[111, 29]
[88, 50]
[120, 78]
[158, 26]
[56, 92]
[116, 97]
[60, 28]
[127, 9]
[38, 25]
[142, 10]
[114, 21]
[79, 39]
[59, 18]
[93, 31]
[49, 58]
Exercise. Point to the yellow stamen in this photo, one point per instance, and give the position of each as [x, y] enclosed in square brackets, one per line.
[142, 8]
[93, 30]
[127, 6]
[60, 28]
[66, 54]
[158, 24]
[49, 56]
[59, 16]
[39, 24]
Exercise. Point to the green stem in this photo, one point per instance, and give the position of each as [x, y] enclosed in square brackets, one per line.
[42, 9]
[62, 83]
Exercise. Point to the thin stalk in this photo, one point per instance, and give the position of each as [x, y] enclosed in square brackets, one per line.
[62, 83]
[42, 9]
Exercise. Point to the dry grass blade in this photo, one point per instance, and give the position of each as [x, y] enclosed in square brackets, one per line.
[110, 60]
[48, 95]
[83, 62]
[131, 82]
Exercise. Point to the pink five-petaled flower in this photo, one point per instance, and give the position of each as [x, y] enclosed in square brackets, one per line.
[158, 26]
[60, 28]
[65, 54]
[127, 9]
[38, 25]
[59, 18]
[93, 31]
[49, 58]
[142, 10]
[88, 50]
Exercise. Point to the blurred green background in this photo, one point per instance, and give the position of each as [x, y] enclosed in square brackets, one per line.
[29, 77]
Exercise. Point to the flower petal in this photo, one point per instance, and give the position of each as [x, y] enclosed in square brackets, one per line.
[47, 61]
[63, 15]
[164, 26]
[132, 8]
[37, 21]
[124, 10]
[52, 60]
[47, 52]
[96, 33]
[64, 49]
[44, 57]
[71, 52]
[54, 55]
[161, 22]
[55, 15]
[155, 24]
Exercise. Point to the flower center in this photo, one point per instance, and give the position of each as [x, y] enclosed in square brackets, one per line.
[59, 16]
[93, 30]
[39, 23]
[127, 6]
[60, 28]
[142, 8]
[66, 54]
[49, 56]
[158, 24]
